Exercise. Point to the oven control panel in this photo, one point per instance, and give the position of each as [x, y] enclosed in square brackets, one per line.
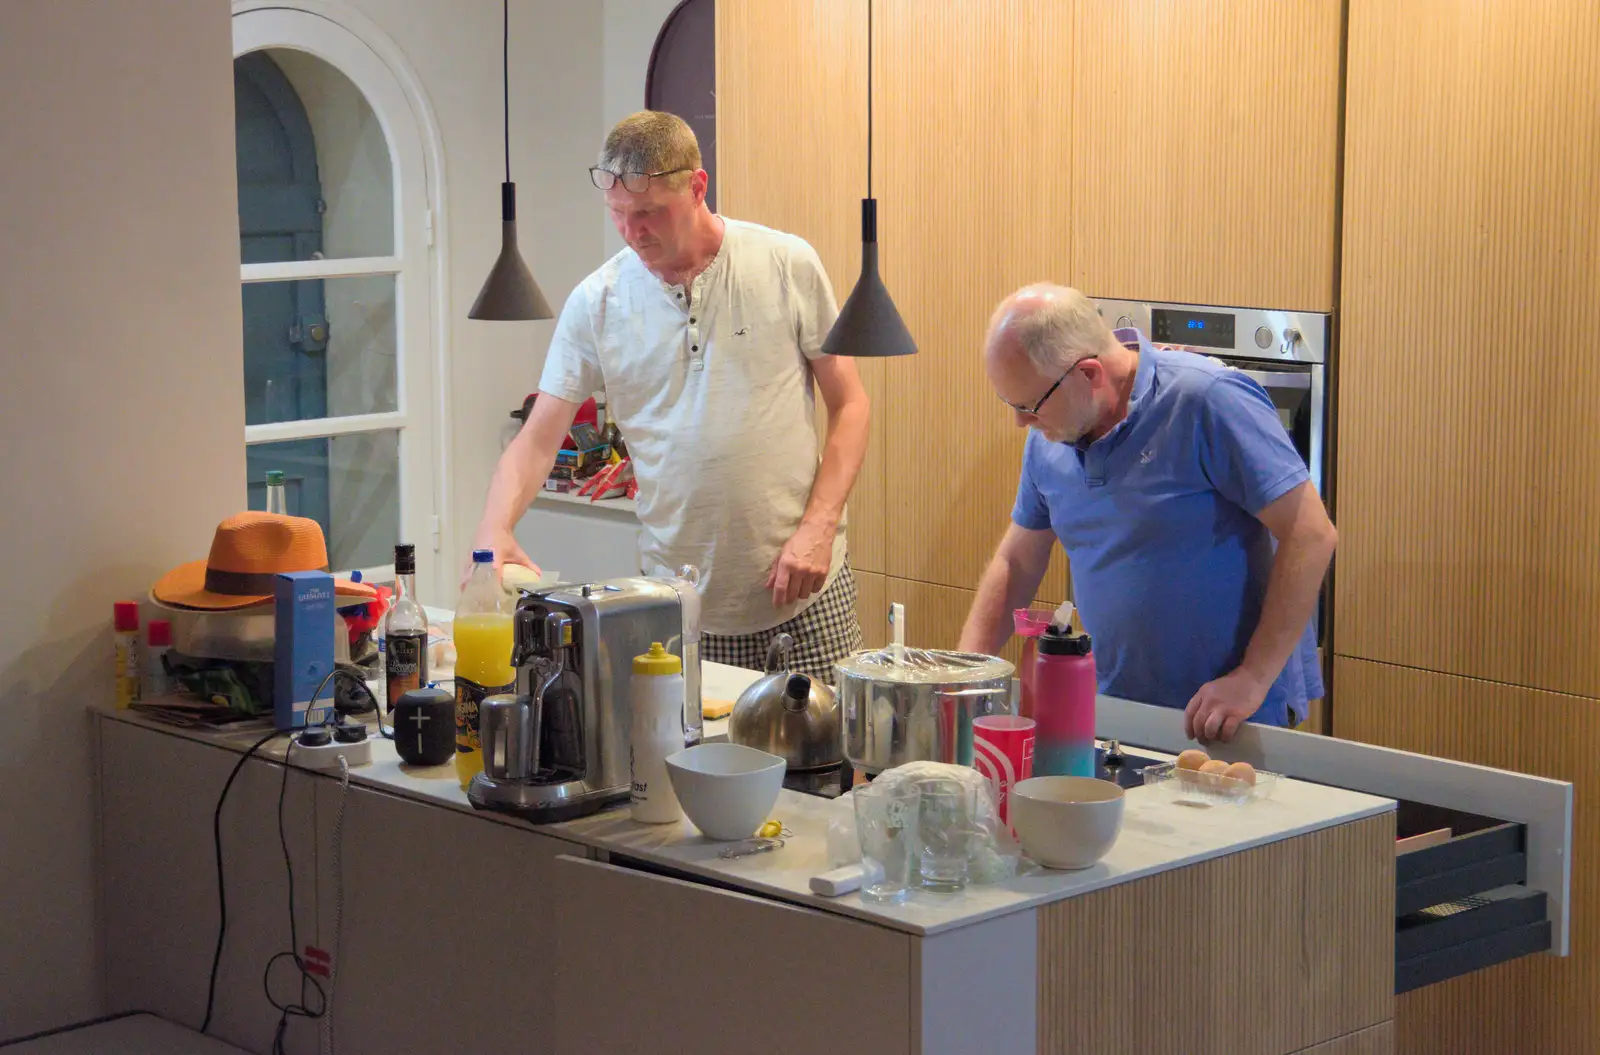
[1243, 333]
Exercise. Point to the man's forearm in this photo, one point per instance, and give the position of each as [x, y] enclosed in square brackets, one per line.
[842, 456]
[1291, 599]
[525, 464]
[518, 478]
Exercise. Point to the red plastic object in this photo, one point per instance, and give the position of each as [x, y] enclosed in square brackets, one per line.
[160, 633]
[1029, 624]
[125, 616]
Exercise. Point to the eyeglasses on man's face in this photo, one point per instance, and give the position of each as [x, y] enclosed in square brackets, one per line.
[634, 182]
[1034, 410]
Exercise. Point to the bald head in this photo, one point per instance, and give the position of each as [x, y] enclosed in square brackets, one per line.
[1051, 326]
[1052, 358]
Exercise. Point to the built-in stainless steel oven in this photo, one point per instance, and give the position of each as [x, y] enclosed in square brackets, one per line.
[1285, 352]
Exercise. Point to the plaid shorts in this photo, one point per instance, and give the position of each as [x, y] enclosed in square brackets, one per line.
[823, 634]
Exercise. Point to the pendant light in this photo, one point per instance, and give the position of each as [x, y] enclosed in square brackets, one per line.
[869, 325]
[509, 294]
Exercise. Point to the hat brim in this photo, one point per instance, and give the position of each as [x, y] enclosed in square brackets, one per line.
[185, 587]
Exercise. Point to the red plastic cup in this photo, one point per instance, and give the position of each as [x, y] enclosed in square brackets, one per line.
[1002, 750]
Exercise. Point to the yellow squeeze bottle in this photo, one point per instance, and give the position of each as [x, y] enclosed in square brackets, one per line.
[125, 640]
[483, 638]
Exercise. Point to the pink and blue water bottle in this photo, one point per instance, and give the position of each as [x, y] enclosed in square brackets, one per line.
[1064, 690]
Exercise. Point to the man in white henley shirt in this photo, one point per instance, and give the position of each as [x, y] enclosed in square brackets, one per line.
[706, 335]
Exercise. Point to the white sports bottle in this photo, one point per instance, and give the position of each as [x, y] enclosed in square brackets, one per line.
[657, 732]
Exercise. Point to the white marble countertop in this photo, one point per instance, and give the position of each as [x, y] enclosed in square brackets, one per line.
[1157, 835]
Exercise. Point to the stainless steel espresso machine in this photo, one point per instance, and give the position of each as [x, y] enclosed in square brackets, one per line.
[559, 748]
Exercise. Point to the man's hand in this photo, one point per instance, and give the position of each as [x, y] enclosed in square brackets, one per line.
[1221, 706]
[802, 565]
[506, 551]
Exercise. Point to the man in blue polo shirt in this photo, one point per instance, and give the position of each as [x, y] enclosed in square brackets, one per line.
[1196, 541]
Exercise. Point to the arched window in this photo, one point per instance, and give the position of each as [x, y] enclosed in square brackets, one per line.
[341, 348]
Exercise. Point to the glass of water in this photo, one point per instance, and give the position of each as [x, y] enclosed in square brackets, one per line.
[947, 815]
[886, 824]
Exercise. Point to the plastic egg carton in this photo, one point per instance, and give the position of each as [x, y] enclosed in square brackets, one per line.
[1189, 787]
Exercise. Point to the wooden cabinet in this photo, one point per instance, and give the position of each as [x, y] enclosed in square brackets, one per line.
[1536, 1003]
[1468, 440]
[700, 969]
[1295, 947]
[430, 896]
[1151, 149]
[1206, 151]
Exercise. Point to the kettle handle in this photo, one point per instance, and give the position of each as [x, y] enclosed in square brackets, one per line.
[778, 654]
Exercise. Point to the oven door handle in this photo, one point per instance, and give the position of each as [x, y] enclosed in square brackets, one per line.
[1270, 379]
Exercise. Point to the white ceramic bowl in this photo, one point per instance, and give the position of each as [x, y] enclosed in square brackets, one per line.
[726, 790]
[1066, 822]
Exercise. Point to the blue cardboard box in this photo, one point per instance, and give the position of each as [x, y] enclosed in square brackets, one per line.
[303, 647]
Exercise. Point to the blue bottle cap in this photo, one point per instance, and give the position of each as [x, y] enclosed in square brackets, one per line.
[483, 556]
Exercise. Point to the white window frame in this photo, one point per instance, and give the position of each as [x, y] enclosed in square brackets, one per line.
[357, 48]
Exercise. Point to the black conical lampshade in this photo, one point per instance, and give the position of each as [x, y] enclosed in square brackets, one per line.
[510, 294]
[869, 325]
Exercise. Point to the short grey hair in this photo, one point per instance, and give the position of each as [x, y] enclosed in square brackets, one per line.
[652, 141]
[1061, 329]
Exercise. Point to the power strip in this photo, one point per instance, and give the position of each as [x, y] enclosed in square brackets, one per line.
[326, 756]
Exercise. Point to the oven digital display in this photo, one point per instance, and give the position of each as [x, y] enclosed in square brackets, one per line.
[1204, 329]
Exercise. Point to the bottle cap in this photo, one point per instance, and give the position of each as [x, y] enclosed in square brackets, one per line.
[483, 556]
[1055, 642]
[125, 616]
[657, 661]
[274, 477]
[405, 558]
[160, 633]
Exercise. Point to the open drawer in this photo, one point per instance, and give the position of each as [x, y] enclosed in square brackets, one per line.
[1461, 897]
[1488, 877]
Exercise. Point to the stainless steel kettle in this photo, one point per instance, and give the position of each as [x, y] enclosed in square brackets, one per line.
[789, 715]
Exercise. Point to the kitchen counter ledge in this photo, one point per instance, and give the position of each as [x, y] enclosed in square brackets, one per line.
[1157, 835]
[547, 924]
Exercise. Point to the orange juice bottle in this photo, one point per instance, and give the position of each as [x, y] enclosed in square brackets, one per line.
[484, 644]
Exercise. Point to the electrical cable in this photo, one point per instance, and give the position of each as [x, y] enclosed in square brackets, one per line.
[302, 1007]
[505, 78]
[869, 98]
[222, 894]
[338, 902]
[216, 834]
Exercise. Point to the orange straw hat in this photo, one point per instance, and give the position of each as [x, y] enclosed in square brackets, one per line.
[247, 552]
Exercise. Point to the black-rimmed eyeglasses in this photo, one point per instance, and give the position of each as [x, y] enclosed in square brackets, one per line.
[635, 182]
[1033, 410]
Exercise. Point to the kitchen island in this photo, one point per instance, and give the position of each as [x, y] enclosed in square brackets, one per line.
[1264, 928]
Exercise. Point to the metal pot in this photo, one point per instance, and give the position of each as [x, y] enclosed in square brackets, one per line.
[917, 705]
[789, 715]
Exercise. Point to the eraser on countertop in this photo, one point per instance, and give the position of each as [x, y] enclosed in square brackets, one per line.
[844, 880]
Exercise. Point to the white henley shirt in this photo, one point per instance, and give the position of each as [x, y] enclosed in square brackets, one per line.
[712, 389]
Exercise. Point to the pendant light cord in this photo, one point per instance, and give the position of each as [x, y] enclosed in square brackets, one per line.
[505, 78]
[869, 98]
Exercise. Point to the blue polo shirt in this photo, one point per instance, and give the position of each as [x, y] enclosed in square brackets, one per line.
[1169, 563]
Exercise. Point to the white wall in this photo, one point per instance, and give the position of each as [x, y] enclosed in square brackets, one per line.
[121, 414]
[631, 30]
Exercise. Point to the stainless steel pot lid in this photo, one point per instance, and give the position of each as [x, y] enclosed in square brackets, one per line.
[924, 666]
